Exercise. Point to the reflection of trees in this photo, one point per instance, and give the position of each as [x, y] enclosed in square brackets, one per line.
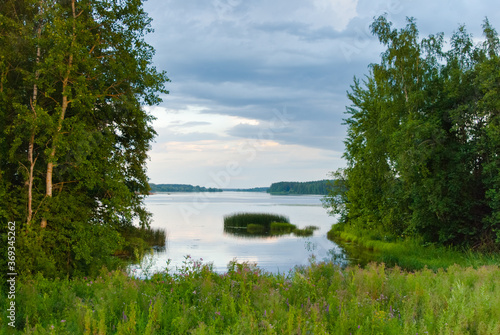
[353, 253]
[243, 232]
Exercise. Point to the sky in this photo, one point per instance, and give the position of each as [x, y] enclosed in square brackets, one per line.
[258, 88]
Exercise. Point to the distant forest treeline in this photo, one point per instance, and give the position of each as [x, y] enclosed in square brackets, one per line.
[309, 187]
[284, 187]
[253, 189]
[181, 188]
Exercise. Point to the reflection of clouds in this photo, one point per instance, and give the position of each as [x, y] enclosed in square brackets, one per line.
[201, 236]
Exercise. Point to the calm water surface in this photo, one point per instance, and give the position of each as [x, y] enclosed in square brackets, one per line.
[194, 225]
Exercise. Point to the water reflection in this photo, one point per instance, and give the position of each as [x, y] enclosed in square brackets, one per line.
[196, 228]
[242, 232]
[354, 254]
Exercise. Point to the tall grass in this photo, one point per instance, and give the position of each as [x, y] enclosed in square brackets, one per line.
[139, 240]
[282, 227]
[154, 236]
[241, 220]
[318, 299]
[411, 253]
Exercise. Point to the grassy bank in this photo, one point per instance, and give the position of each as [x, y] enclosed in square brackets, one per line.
[319, 299]
[409, 253]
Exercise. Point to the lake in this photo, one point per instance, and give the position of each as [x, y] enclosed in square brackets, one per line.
[194, 225]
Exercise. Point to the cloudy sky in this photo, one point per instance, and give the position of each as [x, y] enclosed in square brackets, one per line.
[258, 88]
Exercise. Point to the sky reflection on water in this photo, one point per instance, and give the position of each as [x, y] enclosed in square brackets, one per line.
[194, 224]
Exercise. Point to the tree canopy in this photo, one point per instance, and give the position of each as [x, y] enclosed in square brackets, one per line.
[308, 187]
[73, 135]
[423, 139]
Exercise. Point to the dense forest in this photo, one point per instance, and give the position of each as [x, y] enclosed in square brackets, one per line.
[423, 143]
[253, 189]
[181, 188]
[73, 135]
[309, 187]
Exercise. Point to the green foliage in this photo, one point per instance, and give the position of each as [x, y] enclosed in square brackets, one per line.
[422, 145]
[303, 232]
[318, 299]
[310, 187]
[253, 228]
[242, 220]
[244, 225]
[407, 252]
[181, 188]
[282, 227]
[73, 134]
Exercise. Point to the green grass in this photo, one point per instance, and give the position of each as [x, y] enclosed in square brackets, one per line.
[410, 253]
[240, 220]
[282, 227]
[263, 224]
[319, 299]
[255, 228]
[303, 232]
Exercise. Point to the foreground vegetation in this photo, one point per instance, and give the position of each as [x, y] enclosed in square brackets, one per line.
[318, 299]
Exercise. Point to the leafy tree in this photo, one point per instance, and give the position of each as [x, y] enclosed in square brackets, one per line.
[73, 77]
[308, 187]
[422, 145]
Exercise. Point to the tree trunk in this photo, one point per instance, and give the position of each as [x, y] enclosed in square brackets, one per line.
[64, 107]
[31, 144]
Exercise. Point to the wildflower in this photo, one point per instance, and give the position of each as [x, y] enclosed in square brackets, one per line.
[218, 313]
[63, 321]
[51, 326]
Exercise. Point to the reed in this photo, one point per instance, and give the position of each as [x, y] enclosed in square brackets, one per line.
[253, 228]
[303, 232]
[282, 227]
[154, 236]
[138, 241]
[240, 220]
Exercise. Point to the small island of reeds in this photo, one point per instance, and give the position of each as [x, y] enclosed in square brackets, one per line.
[263, 224]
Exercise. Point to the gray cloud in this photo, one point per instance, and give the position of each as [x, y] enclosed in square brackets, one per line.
[192, 124]
[248, 58]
